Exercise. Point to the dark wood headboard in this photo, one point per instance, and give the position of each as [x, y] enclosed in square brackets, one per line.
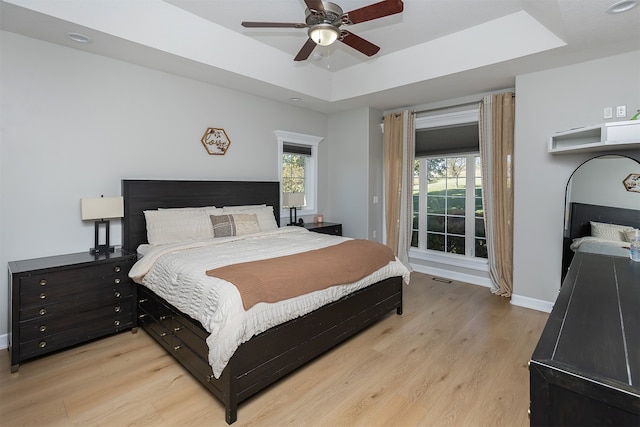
[582, 213]
[142, 195]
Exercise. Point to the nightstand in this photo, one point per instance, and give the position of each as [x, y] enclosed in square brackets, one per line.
[60, 301]
[325, 228]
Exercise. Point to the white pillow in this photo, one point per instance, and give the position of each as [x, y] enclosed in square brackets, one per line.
[611, 232]
[264, 213]
[205, 208]
[179, 225]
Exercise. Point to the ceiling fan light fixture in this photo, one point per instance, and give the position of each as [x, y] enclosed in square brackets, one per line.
[622, 6]
[324, 34]
[79, 37]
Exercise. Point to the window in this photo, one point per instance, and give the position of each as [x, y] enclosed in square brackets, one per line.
[447, 193]
[298, 166]
[450, 203]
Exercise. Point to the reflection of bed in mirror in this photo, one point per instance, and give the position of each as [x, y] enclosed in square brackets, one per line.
[595, 193]
[580, 238]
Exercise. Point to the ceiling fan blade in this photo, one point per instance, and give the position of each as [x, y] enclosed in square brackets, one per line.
[273, 25]
[359, 44]
[374, 11]
[306, 50]
[315, 5]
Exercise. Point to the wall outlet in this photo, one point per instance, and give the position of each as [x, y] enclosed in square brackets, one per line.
[621, 111]
[608, 112]
[374, 234]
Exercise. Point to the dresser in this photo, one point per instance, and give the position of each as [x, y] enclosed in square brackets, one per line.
[60, 301]
[585, 369]
[332, 228]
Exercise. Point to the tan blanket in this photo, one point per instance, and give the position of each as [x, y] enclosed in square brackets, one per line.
[280, 278]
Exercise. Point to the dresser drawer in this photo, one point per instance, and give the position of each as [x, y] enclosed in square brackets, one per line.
[51, 306]
[149, 307]
[170, 328]
[195, 340]
[81, 332]
[73, 284]
[56, 324]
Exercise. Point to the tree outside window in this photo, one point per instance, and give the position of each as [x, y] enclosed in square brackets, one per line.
[452, 205]
[293, 173]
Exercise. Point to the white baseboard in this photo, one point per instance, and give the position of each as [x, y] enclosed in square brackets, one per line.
[532, 303]
[453, 275]
[4, 341]
[520, 301]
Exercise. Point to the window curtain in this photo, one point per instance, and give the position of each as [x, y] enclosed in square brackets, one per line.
[399, 153]
[496, 128]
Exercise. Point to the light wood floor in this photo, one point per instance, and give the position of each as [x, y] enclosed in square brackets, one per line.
[457, 356]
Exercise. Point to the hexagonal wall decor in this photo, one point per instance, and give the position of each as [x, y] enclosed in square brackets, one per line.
[216, 141]
[632, 182]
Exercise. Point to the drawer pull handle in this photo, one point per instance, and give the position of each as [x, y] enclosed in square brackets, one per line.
[210, 378]
[117, 294]
[42, 328]
[142, 316]
[116, 280]
[42, 311]
[163, 334]
[43, 282]
[117, 269]
[177, 329]
[117, 309]
[42, 344]
[164, 317]
[140, 301]
[117, 323]
[43, 295]
[176, 348]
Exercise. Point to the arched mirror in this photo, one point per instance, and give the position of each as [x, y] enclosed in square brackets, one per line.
[603, 190]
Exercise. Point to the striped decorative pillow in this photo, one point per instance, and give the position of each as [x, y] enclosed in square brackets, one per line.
[234, 225]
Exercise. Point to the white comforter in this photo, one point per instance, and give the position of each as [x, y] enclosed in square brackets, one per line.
[176, 272]
[601, 246]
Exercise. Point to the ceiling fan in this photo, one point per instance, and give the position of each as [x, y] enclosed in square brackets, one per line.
[323, 20]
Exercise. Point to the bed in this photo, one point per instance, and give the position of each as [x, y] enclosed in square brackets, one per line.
[581, 239]
[271, 354]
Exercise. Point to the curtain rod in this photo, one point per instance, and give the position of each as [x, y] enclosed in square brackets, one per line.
[513, 95]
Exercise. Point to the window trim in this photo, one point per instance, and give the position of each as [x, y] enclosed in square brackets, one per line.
[311, 169]
[446, 119]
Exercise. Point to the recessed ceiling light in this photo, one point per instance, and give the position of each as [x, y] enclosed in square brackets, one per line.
[294, 99]
[622, 6]
[80, 38]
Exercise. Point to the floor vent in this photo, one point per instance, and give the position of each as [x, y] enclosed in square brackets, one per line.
[440, 279]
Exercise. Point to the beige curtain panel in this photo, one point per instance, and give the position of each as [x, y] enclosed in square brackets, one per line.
[497, 114]
[399, 153]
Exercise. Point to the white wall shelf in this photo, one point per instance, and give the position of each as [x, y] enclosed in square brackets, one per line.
[623, 135]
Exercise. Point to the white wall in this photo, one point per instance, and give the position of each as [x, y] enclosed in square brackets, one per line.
[74, 124]
[348, 171]
[599, 181]
[548, 102]
[376, 174]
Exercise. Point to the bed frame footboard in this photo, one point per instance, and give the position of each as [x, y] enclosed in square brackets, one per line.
[272, 354]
